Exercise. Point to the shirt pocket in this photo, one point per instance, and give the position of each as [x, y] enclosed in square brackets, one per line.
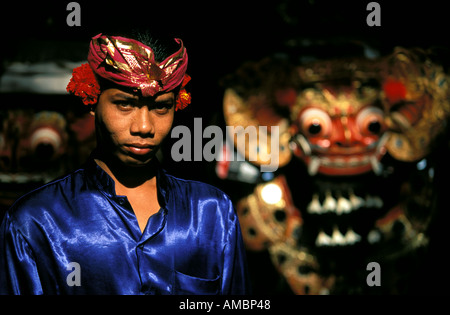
[185, 284]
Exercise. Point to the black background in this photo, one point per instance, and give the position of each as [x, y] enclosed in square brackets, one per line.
[220, 35]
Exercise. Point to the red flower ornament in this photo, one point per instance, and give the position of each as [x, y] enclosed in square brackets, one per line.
[84, 84]
[184, 97]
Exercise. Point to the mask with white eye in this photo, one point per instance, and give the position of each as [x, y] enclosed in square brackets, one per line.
[315, 122]
[45, 142]
[370, 121]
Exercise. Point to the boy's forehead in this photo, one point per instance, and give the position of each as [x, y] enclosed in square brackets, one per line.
[126, 93]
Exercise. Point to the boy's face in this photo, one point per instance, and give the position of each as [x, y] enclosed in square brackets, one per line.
[132, 128]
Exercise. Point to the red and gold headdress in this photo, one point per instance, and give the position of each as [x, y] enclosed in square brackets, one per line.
[130, 63]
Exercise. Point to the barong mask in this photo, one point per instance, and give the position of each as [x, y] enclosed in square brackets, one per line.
[355, 182]
[129, 63]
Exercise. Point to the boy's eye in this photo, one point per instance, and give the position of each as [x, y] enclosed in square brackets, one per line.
[124, 104]
[163, 106]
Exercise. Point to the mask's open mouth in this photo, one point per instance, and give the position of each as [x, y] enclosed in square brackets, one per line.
[341, 161]
[342, 217]
[342, 212]
[339, 165]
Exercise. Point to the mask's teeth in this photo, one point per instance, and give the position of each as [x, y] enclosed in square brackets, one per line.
[374, 236]
[376, 165]
[315, 206]
[337, 238]
[323, 239]
[329, 204]
[374, 202]
[357, 202]
[313, 166]
[304, 144]
[351, 237]
[384, 138]
[343, 206]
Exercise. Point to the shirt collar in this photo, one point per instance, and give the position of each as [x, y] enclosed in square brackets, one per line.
[105, 183]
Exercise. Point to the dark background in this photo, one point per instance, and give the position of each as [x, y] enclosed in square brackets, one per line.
[221, 35]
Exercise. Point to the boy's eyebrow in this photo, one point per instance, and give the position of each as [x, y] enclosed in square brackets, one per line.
[125, 96]
[170, 100]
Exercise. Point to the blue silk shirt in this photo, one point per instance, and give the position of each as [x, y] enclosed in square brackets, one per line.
[76, 236]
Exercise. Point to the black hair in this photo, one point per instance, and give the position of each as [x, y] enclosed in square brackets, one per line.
[163, 45]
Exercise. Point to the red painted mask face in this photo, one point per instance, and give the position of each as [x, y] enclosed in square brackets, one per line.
[341, 119]
[339, 131]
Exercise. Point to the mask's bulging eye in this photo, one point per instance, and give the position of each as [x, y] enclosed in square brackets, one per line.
[315, 122]
[370, 121]
[45, 142]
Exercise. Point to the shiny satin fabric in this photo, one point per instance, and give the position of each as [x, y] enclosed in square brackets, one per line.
[192, 245]
[130, 63]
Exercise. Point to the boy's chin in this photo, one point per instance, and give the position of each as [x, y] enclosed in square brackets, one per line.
[137, 162]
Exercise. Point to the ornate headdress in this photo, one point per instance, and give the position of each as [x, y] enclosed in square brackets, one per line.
[130, 63]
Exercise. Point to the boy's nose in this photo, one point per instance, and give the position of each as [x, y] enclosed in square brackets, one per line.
[143, 122]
